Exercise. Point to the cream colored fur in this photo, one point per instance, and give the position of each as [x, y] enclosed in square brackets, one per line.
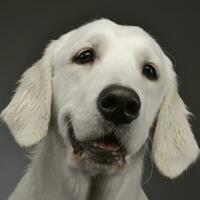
[28, 114]
[54, 86]
[174, 145]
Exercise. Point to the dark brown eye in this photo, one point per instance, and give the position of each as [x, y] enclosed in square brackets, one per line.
[150, 72]
[86, 56]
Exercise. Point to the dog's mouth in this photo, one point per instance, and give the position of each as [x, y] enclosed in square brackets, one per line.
[105, 150]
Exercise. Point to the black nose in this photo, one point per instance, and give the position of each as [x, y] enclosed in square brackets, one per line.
[119, 104]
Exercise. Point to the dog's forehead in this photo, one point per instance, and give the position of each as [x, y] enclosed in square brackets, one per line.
[105, 26]
[105, 29]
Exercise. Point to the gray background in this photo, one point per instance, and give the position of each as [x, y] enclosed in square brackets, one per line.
[26, 27]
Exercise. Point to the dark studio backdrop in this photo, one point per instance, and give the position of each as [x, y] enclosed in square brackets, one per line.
[27, 26]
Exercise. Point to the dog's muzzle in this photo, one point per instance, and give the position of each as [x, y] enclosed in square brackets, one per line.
[105, 150]
[119, 106]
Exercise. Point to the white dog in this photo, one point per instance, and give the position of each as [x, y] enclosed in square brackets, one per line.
[89, 104]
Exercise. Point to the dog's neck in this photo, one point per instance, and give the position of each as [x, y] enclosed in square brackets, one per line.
[50, 178]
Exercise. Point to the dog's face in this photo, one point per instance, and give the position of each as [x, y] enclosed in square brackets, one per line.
[109, 83]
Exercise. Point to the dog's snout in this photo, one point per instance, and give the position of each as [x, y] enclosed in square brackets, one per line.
[119, 104]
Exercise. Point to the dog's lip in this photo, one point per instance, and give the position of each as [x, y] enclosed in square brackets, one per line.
[107, 143]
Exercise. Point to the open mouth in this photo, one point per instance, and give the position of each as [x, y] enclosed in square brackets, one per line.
[105, 150]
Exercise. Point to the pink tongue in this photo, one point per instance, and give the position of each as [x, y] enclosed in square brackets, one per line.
[107, 146]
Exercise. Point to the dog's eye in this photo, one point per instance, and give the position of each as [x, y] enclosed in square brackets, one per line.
[149, 70]
[86, 56]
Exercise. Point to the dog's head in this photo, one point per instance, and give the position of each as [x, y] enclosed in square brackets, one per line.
[107, 84]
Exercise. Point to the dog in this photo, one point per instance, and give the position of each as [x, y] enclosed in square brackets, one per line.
[87, 107]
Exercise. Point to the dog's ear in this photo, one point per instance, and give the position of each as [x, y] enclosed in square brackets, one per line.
[174, 146]
[28, 113]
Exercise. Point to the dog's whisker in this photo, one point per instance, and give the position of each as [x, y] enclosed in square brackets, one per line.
[151, 162]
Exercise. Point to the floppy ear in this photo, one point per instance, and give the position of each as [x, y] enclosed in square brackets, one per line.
[28, 113]
[174, 146]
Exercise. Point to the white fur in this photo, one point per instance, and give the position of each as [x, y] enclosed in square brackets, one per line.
[30, 108]
[174, 146]
[55, 86]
